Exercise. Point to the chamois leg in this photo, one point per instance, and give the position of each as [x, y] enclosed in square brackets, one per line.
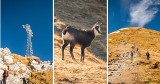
[71, 50]
[82, 54]
[63, 47]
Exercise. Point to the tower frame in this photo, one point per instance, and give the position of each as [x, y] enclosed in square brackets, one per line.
[29, 50]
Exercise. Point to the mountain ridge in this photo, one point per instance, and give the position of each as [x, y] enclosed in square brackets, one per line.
[137, 69]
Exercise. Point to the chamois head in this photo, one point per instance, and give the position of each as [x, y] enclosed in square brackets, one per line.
[96, 28]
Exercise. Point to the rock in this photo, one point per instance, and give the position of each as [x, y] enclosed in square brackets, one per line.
[34, 62]
[46, 67]
[23, 67]
[19, 70]
[1, 74]
[1, 60]
[2, 66]
[24, 75]
[36, 67]
[45, 62]
[14, 79]
[5, 51]
[31, 58]
[14, 67]
[8, 59]
[1, 52]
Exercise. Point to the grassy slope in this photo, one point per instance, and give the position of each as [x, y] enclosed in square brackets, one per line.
[80, 14]
[145, 40]
[92, 71]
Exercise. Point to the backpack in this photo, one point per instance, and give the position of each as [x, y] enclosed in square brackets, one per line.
[131, 53]
[147, 54]
[5, 74]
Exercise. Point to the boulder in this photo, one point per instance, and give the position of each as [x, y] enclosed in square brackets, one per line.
[1, 74]
[1, 52]
[34, 62]
[1, 60]
[46, 67]
[24, 75]
[36, 67]
[2, 66]
[14, 67]
[8, 59]
[14, 79]
[23, 67]
[5, 51]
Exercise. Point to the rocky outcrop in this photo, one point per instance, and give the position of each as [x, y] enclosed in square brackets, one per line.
[19, 71]
[46, 65]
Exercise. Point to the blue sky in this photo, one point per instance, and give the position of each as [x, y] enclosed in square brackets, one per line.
[138, 13]
[36, 13]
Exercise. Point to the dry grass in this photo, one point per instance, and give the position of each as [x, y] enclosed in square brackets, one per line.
[82, 14]
[18, 58]
[92, 71]
[24, 60]
[145, 40]
[41, 77]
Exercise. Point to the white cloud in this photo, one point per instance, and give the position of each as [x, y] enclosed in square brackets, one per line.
[143, 12]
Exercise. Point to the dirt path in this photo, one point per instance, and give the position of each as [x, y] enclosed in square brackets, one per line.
[123, 70]
[140, 71]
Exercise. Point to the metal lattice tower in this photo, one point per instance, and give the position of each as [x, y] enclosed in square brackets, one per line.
[29, 51]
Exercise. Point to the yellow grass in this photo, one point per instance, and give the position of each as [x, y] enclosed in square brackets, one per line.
[81, 14]
[92, 71]
[144, 39]
[41, 77]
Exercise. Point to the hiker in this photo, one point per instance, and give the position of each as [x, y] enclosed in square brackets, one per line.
[136, 49]
[147, 55]
[131, 54]
[5, 75]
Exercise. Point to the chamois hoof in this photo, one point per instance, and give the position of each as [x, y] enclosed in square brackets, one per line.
[82, 61]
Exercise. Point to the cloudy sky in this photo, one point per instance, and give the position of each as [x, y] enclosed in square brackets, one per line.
[138, 13]
[37, 13]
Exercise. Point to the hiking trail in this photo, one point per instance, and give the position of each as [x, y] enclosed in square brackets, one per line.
[118, 67]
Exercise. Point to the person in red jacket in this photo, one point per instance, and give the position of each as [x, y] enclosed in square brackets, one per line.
[5, 75]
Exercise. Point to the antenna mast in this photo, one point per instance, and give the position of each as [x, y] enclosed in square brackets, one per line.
[29, 51]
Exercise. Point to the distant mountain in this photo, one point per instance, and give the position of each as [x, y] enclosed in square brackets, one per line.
[31, 68]
[125, 69]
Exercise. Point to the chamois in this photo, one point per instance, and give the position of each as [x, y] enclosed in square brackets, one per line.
[84, 38]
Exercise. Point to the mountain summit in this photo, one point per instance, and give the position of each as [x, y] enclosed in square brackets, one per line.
[137, 69]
